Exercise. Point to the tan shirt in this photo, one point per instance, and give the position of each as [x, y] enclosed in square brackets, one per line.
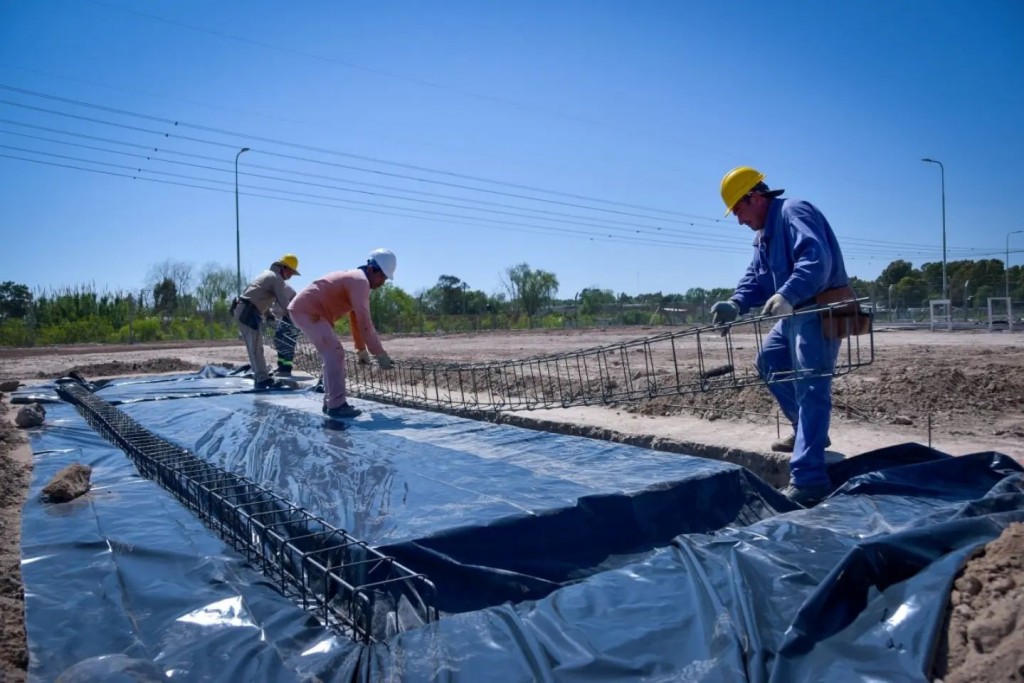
[277, 309]
[267, 289]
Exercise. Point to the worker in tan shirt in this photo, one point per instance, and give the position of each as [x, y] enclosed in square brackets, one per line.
[328, 299]
[254, 303]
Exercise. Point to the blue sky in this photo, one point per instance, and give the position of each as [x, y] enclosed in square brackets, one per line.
[583, 138]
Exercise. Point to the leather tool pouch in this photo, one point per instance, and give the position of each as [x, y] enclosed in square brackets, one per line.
[848, 319]
[250, 315]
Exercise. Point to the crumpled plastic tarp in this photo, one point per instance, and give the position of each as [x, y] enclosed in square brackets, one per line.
[555, 557]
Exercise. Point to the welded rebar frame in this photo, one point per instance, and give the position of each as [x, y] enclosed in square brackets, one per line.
[673, 363]
[348, 585]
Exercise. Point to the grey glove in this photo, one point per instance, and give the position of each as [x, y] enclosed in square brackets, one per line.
[385, 362]
[363, 357]
[724, 312]
[270, 318]
[777, 305]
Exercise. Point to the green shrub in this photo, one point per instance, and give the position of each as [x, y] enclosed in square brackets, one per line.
[15, 332]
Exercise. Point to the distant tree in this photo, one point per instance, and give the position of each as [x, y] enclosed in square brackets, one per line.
[15, 300]
[475, 302]
[165, 297]
[392, 309]
[529, 289]
[216, 286]
[863, 288]
[452, 292]
[178, 272]
[894, 272]
[650, 298]
[592, 299]
[932, 274]
[912, 291]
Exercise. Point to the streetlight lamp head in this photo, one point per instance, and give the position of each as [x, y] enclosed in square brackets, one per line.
[245, 149]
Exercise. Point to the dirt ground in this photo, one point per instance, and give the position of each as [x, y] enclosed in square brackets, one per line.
[965, 390]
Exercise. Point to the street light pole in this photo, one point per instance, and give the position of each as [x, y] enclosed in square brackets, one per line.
[942, 170]
[1006, 263]
[238, 233]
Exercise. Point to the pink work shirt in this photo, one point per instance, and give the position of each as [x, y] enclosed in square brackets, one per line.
[337, 294]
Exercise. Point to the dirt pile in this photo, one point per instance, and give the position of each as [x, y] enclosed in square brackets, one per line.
[14, 480]
[980, 393]
[985, 636]
[116, 368]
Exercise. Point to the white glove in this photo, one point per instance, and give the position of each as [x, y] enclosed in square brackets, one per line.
[777, 305]
[363, 357]
[385, 362]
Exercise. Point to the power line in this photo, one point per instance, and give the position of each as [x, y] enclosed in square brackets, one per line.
[311, 148]
[860, 248]
[883, 250]
[569, 219]
[308, 198]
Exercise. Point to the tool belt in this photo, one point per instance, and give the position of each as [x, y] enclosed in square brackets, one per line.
[845, 320]
[249, 315]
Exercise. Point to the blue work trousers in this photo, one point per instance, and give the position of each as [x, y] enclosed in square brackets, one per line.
[797, 350]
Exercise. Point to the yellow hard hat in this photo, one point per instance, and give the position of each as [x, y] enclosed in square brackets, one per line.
[737, 183]
[289, 261]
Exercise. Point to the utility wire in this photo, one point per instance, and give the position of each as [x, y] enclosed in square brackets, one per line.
[309, 198]
[573, 219]
[322, 150]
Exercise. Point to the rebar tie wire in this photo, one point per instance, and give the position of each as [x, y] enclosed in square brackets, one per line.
[691, 361]
[352, 588]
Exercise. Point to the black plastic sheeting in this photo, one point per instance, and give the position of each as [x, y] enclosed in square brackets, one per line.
[556, 558]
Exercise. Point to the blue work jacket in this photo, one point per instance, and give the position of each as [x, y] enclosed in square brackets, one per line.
[796, 255]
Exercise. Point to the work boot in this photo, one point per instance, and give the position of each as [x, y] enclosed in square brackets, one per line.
[284, 371]
[787, 444]
[263, 384]
[343, 411]
[807, 496]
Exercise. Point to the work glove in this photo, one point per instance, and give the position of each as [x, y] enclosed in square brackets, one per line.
[385, 362]
[724, 312]
[363, 357]
[777, 305]
[270, 318]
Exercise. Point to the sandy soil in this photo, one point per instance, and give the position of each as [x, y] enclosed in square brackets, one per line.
[962, 392]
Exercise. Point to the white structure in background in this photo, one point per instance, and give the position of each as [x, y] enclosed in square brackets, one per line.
[944, 317]
[1009, 313]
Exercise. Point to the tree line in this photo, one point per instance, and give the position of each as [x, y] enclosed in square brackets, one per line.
[180, 302]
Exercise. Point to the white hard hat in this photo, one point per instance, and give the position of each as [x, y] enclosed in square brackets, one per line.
[385, 260]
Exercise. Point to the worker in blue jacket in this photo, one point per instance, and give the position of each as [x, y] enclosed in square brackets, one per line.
[796, 260]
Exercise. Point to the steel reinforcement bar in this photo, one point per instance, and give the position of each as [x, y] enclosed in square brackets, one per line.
[673, 363]
[351, 587]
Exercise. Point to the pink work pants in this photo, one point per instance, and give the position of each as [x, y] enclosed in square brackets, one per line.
[321, 334]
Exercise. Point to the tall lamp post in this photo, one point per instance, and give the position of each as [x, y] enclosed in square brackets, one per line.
[942, 170]
[1006, 263]
[238, 232]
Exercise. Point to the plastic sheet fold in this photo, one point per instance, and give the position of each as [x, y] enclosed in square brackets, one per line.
[556, 558]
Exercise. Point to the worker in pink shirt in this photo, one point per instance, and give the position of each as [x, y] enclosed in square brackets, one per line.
[328, 299]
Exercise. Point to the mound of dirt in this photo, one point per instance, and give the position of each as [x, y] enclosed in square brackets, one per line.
[117, 368]
[985, 636]
[14, 480]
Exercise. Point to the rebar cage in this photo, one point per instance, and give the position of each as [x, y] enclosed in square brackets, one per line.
[348, 585]
[689, 361]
